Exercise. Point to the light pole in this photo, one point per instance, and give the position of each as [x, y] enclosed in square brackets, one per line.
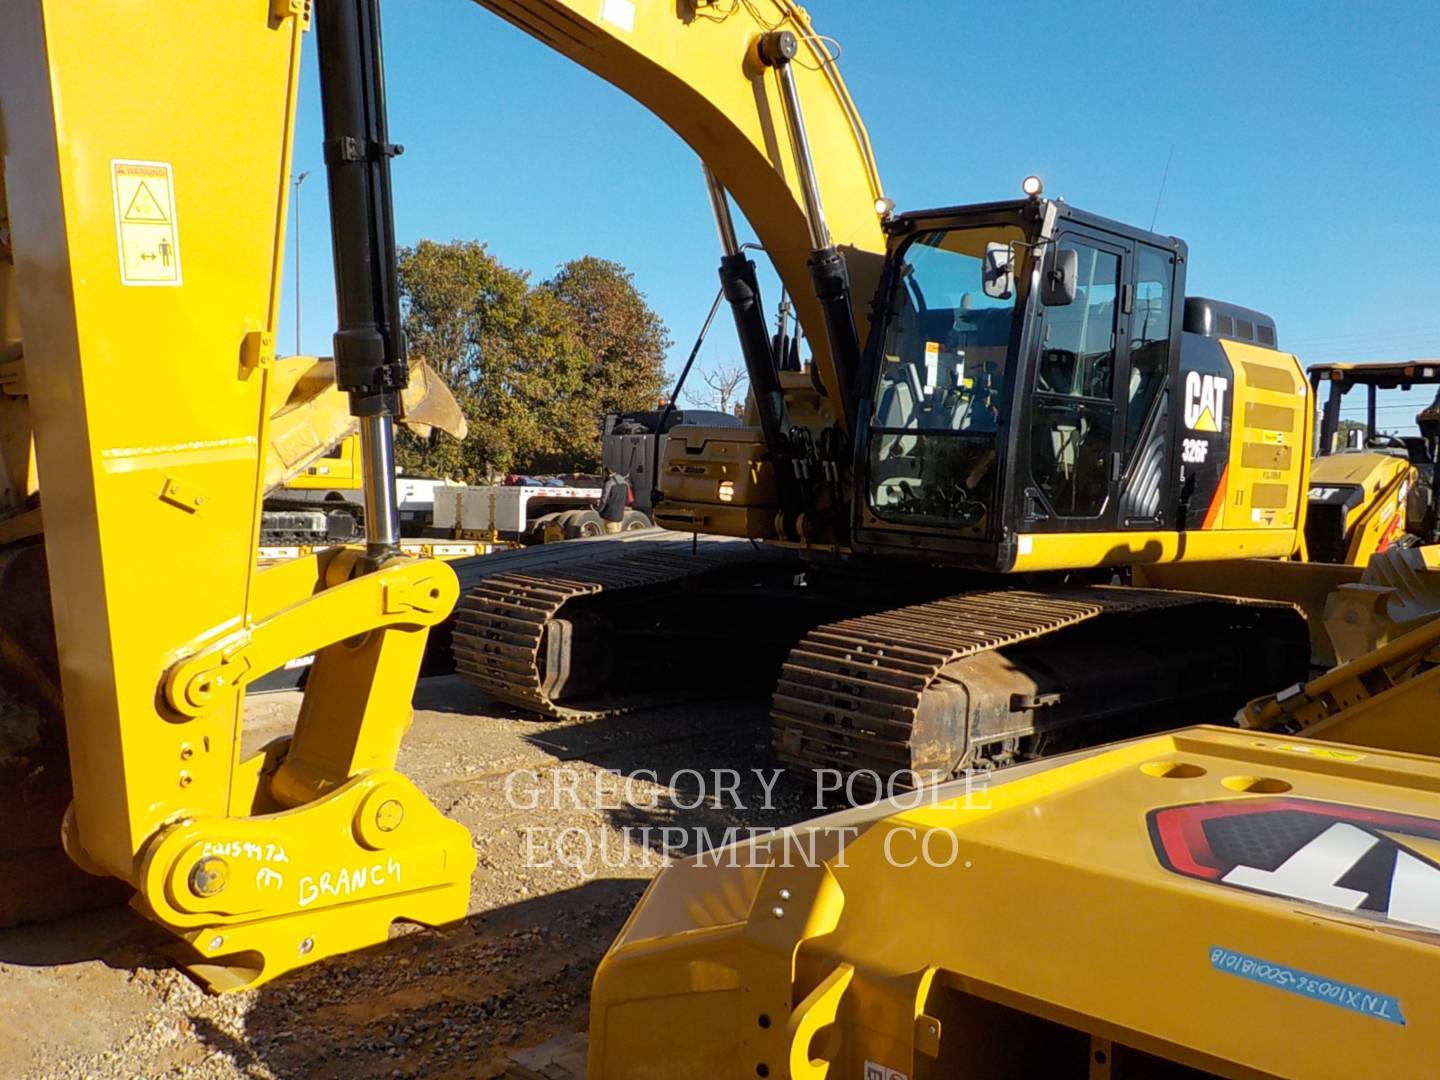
[295, 201]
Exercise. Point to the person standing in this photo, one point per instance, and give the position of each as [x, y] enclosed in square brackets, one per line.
[614, 496]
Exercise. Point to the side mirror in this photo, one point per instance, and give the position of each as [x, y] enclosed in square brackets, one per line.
[1057, 277]
[998, 273]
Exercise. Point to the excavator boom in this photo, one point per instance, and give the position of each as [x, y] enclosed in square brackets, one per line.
[695, 64]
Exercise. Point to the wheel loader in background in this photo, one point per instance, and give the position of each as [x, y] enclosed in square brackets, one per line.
[1365, 498]
[943, 455]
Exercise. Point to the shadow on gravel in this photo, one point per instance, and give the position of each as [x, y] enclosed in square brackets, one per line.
[436, 1003]
[681, 780]
[450, 693]
[737, 731]
[115, 936]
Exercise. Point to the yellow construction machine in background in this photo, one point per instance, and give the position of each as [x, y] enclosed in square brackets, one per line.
[996, 395]
[1381, 490]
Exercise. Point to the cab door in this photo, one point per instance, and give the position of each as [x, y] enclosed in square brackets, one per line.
[1077, 407]
[1154, 310]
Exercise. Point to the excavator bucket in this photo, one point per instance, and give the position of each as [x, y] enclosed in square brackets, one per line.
[1399, 591]
[310, 415]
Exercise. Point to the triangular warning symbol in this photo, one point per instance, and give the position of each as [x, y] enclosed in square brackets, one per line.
[1205, 422]
[144, 207]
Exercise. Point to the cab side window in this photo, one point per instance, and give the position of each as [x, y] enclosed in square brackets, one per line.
[1149, 338]
[1074, 410]
[1078, 356]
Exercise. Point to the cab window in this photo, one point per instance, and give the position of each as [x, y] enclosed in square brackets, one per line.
[947, 342]
[942, 383]
[1078, 354]
[1073, 410]
[1149, 338]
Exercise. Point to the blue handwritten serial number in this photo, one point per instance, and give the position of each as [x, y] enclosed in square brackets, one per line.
[1316, 987]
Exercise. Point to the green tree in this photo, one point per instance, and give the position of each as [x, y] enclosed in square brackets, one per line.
[624, 342]
[533, 367]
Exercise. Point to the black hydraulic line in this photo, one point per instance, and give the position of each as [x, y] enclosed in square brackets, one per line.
[690, 360]
[675, 396]
[369, 343]
[739, 285]
[831, 278]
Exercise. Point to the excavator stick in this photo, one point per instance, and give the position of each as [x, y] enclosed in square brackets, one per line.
[146, 229]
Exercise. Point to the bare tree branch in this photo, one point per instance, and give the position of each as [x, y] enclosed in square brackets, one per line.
[727, 388]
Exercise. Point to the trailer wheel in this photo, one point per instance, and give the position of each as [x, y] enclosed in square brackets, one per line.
[580, 524]
[634, 519]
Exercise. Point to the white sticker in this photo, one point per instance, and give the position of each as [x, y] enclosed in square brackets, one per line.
[876, 1071]
[145, 226]
[619, 13]
[1026, 544]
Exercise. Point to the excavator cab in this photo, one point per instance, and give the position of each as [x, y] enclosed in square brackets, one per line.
[1369, 489]
[1042, 395]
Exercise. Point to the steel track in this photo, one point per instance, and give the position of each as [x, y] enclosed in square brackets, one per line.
[512, 637]
[854, 694]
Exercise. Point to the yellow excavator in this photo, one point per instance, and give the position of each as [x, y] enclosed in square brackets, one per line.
[1070, 417]
[1006, 407]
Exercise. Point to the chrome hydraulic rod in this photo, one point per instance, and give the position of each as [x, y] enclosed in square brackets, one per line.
[804, 162]
[382, 509]
[720, 206]
[829, 274]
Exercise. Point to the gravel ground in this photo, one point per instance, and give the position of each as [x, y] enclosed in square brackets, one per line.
[94, 996]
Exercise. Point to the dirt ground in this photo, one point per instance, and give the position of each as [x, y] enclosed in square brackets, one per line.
[93, 995]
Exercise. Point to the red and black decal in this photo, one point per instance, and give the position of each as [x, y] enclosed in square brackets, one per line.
[1332, 855]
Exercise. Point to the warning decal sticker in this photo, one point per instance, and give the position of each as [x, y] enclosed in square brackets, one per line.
[145, 226]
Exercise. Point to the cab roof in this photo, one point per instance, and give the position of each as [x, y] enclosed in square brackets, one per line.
[1386, 374]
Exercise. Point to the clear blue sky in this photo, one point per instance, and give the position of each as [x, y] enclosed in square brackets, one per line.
[1304, 134]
